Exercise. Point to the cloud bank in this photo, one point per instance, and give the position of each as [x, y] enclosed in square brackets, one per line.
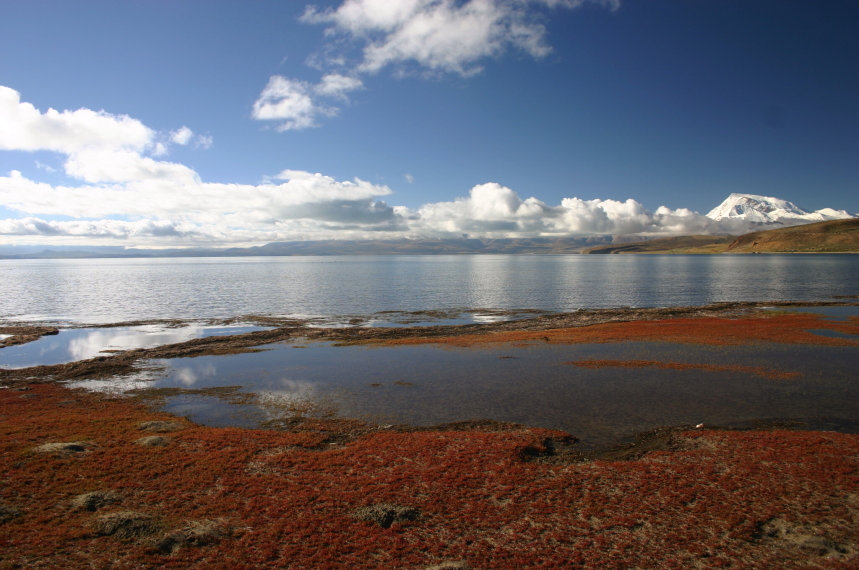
[415, 36]
[119, 191]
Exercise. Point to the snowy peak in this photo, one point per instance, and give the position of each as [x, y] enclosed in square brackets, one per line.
[767, 210]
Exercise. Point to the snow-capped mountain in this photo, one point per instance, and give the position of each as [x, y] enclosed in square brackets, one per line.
[765, 210]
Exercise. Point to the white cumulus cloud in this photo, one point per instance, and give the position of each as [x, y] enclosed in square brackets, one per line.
[493, 211]
[290, 102]
[336, 85]
[182, 136]
[295, 104]
[23, 127]
[119, 194]
[440, 35]
[437, 36]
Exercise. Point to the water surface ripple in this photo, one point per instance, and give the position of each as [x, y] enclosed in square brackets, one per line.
[114, 290]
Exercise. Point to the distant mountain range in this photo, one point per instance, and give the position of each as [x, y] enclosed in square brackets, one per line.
[737, 214]
[766, 210]
[561, 245]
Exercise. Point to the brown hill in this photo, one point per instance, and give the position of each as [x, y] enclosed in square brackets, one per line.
[680, 244]
[837, 236]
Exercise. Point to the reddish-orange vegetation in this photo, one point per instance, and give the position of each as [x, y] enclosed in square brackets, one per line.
[782, 328]
[241, 499]
[757, 370]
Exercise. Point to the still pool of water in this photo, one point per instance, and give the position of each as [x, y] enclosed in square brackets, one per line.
[527, 384]
[70, 345]
[834, 313]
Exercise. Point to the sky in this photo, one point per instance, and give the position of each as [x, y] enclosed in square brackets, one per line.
[155, 123]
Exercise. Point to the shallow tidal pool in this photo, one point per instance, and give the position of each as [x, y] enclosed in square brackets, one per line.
[532, 384]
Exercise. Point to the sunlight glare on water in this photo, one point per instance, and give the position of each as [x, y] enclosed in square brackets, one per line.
[114, 290]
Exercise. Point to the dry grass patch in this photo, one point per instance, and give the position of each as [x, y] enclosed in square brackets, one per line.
[95, 500]
[386, 514]
[159, 426]
[153, 441]
[194, 533]
[64, 449]
[126, 525]
[812, 540]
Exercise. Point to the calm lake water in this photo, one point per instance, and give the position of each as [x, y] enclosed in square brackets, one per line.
[70, 345]
[336, 288]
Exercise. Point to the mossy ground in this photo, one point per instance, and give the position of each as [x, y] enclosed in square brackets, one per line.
[718, 499]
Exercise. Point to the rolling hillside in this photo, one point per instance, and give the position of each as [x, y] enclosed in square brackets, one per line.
[837, 236]
[681, 244]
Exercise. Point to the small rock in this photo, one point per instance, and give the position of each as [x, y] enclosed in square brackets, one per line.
[95, 500]
[160, 426]
[153, 441]
[385, 514]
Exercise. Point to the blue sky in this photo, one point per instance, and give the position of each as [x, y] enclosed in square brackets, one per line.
[486, 118]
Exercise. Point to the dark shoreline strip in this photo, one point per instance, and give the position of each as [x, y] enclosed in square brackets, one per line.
[127, 362]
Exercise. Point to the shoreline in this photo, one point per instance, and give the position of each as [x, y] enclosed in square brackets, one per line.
[96, 479]
[587, 325]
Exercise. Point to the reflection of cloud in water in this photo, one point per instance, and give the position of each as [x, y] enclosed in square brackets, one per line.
[82, 344]
[91, 344]
[295, 386]
[300, 399]
[189, 376]
[115, 385]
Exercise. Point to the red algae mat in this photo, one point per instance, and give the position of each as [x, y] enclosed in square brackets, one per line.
[241, 499]
[780, 328]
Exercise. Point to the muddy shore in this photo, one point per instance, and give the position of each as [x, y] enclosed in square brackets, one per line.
[524, 329]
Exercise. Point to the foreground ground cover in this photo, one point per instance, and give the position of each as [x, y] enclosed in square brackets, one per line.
[123, 492]
[785, 328]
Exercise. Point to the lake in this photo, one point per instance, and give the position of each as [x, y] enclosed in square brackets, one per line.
[338, 288]
[426, 385]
